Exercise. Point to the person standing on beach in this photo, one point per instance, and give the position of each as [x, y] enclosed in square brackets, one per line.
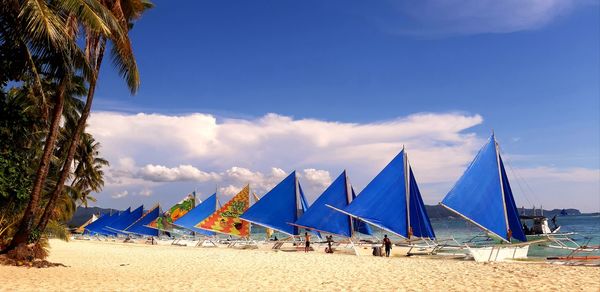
[387, 244]
[306, 241]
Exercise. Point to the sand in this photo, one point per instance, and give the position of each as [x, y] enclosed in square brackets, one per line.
[104, 266]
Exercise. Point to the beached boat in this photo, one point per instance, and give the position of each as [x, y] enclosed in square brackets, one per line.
[280, 206]
[483, 197]
[321, 218]
[392, 201]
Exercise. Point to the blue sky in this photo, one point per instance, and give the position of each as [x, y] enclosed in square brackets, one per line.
[530, 70]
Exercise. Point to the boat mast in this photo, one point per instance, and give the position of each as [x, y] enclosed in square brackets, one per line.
[348, 200]
[298, 206]
[407, 190]
[508, 231]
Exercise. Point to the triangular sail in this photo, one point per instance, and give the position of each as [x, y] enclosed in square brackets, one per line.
[419, 220]
[482, 195]
[201, 212]
[81, 227]
[127, 219]
[360, 226]
[165, 221]
[278, 207]
[139, 226]
[383, 201]
[512, 213]
[113, 220]
[268, 231]
[322, 218]
[97, 225]
[227, 219]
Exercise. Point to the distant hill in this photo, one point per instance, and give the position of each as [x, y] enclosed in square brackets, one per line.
[83, 214]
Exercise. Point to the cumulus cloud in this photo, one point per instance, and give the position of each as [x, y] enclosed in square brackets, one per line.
[159, 173]
[169, 156]
[442, 17]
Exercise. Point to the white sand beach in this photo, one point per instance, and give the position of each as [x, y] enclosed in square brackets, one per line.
[102, 266]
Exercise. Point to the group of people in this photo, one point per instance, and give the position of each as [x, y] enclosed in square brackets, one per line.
[387, 244]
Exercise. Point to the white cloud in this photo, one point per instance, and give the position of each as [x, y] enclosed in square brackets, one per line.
[168, 156]
[120, 194]
[442, 17]
[159, 173]
[574, 174]
[146, 192]
[320, 178]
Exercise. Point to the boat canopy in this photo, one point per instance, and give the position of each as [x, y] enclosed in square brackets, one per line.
[483, 195]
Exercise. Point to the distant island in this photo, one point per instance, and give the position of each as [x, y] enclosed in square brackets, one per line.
[435, 211]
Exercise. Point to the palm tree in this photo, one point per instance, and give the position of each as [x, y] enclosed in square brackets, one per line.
[125, 12]
[47, 30]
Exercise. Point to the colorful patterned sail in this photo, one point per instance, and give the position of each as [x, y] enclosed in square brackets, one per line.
[165, 221]
[483, 195]
[198, 214]
[227, 219]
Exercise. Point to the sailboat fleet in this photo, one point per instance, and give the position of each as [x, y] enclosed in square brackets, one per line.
[391, 202]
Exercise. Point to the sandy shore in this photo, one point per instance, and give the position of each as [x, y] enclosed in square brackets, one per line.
[105, 266]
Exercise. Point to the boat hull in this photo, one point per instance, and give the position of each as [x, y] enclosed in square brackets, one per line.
[498, 253]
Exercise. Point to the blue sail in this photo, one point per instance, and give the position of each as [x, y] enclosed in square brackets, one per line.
[478, 194]
[512, 212]
[139, 226]
[105, 230]
[127, 219]
[97, 225]
[322, 218]
[360, 226]
[277, 208]
[199, 213]
[419, 220]
[383, 201]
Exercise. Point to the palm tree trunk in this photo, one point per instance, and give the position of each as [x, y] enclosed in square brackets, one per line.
[66, 169]
[25, 227]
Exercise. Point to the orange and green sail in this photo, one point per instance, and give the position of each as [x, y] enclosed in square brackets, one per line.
[227, 220]
[165, 221]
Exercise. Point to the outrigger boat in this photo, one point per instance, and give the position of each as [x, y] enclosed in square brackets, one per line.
[320, 218]
[483, 197]
[392, 201]
[283, 204]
